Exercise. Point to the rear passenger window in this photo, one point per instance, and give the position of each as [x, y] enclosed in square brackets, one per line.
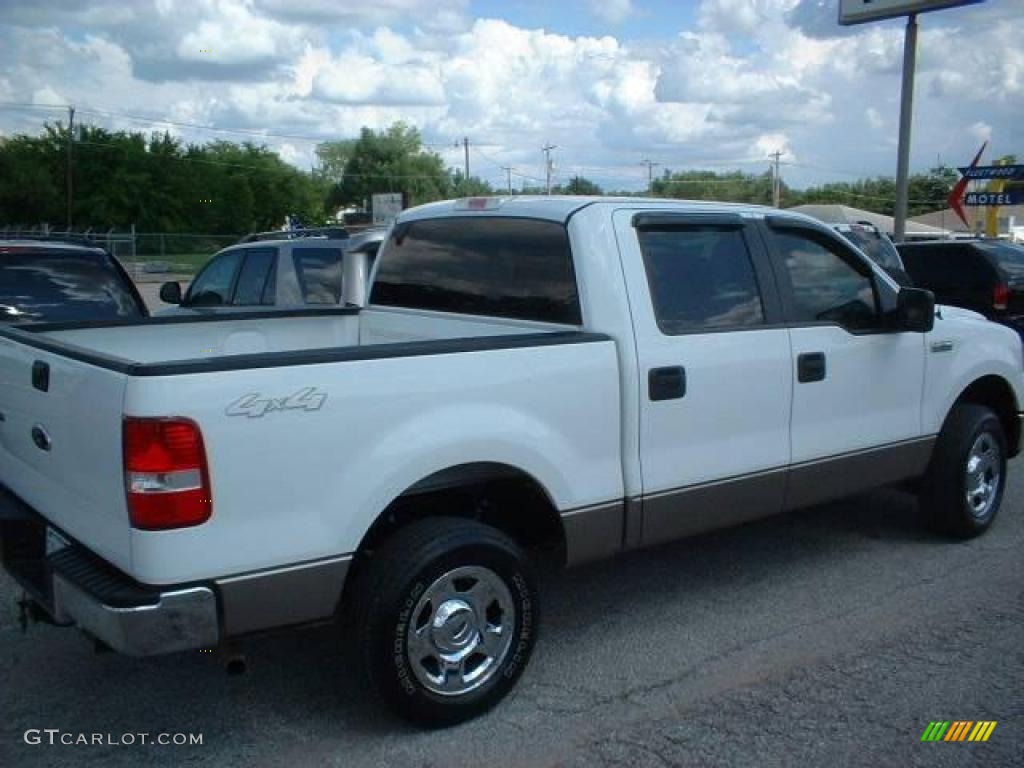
[700, 279]
[488, 265]
[319, 272]
[256, 281]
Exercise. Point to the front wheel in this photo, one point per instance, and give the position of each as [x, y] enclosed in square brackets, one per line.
[446, 619]
[964, 486]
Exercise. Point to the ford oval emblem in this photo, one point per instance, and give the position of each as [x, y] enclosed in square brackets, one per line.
[41, 438]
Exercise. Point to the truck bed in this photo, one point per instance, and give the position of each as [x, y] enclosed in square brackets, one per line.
[136, 346]
[310, 421]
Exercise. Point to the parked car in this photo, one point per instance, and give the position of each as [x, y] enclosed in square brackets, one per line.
[556, 377]
[986, 276]
[54, 281]
[273, 270]
[877, 246]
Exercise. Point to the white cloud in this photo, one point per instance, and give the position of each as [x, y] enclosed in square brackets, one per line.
[748, 78]
[612, 11]
[981, 131]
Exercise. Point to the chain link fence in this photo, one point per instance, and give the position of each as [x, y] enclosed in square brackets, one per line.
[152, 255]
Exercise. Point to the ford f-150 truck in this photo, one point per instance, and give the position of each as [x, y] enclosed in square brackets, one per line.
[562, 378]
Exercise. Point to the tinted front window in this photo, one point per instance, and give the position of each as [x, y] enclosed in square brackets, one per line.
[825, 287]
[319, 271]
[701, 279]
[59, 286]
[256, 280]
[213, 286]
[502, 267]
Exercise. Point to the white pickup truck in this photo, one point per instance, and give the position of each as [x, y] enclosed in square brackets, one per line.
[560, 377]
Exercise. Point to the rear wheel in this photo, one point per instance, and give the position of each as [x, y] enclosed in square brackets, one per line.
[446, 617]
[964, 487]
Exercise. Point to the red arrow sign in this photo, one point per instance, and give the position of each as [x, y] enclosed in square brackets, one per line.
[956, 197]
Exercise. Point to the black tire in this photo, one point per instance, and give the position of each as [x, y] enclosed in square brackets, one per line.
[944, 493]
[389, 587]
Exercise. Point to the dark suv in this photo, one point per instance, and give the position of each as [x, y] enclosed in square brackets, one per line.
[986, 276]
[63, 282]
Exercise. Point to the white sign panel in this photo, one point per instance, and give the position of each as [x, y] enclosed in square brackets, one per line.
[386, 207]
[859, 11]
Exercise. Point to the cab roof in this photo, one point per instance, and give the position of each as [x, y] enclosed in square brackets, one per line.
[561, 207]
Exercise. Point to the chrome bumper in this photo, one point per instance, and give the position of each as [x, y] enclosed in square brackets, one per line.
[179, 620]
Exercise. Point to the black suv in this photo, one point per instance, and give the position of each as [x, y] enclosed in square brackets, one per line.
[63, 282]
[986, 276]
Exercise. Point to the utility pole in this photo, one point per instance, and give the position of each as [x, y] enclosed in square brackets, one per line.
[650, 174]
[776, 180]
[546, 149]
[508, 172]
[465, 146]
[71, 161]
[906, 113]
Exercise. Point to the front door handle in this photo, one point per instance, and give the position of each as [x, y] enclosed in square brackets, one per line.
[810, 366]
[666, 383]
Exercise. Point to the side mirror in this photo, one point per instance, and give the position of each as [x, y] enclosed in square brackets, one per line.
[170, 293]
[915, 310]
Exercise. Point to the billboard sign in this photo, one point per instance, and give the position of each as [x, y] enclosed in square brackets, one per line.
[993, 198]
[1005, 172]
[386, 207]
[860, 11]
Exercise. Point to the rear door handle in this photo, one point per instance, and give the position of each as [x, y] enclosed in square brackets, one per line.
[810, 366]
[666, 383]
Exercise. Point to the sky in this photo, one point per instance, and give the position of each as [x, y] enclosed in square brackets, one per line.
[685, 84]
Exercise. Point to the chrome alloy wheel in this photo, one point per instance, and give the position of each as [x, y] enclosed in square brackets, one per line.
[461, 630]
[984, 464]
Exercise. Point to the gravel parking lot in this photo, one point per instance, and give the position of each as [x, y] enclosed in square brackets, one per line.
[831, 636]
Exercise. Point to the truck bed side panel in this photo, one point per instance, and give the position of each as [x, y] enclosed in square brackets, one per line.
[308, 456]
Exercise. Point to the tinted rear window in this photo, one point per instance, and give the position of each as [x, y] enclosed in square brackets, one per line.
[500, 267]
[1009, 257]
[62, 286]
[946, 267]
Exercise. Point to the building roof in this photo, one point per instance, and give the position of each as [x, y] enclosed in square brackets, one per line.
[844, 214]
[947, 219]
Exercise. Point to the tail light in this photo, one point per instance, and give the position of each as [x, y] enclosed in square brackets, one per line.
[1000, 296]
[167, 480]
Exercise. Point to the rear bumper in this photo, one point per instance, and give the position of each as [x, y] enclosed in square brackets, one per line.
[75, 587]
[179, 620]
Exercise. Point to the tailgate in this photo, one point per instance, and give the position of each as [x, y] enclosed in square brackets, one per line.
[60, 445]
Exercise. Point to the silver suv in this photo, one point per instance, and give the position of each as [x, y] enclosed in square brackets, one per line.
[276, 270]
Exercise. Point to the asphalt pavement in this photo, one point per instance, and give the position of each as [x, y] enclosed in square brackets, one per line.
[829, 637]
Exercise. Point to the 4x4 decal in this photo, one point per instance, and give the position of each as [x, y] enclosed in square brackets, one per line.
[255, 406]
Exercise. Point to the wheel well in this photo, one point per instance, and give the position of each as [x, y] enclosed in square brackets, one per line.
[995, 393]
[496, 494]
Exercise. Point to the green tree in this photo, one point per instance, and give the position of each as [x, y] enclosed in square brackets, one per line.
[471, 187]
[578, 185]
[392, 160]
[731, 186]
